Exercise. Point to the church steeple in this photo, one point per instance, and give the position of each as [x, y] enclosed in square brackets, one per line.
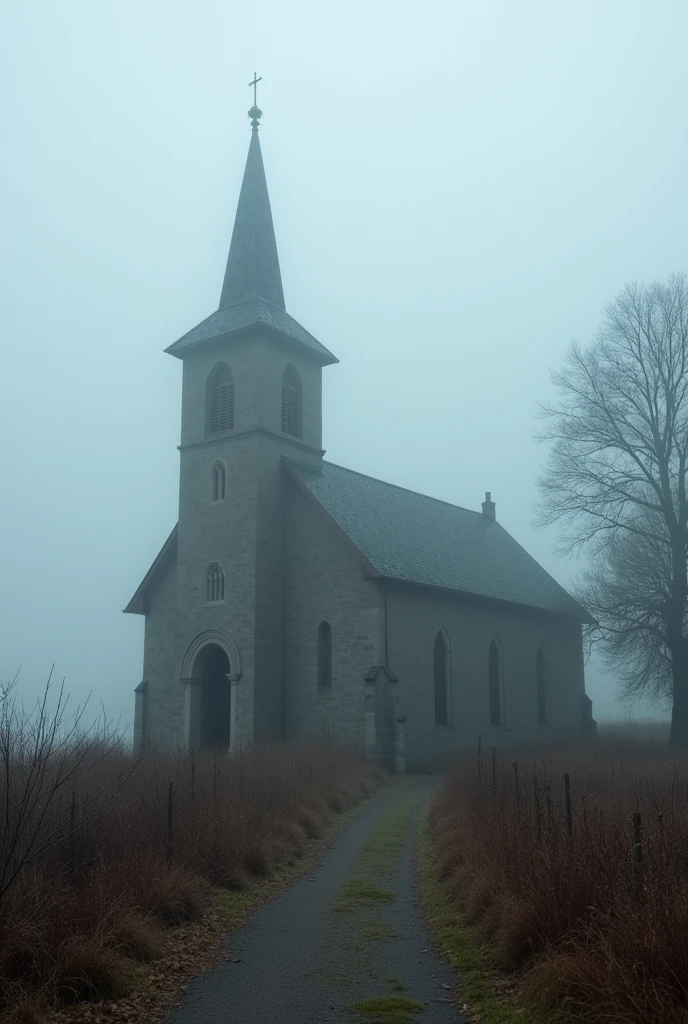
[253, 270]
[252, 300]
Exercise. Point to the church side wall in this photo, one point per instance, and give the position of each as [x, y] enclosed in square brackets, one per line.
[163, 700]
[415, 616]
[324, 582]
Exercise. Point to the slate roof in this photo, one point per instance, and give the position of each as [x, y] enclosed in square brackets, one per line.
[252, 295]
[244, 315]
[253, 264]
[408, 536]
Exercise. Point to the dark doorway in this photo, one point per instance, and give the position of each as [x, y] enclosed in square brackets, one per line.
[212, 668]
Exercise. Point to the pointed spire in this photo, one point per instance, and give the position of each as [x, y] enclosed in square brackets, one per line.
[253, 269]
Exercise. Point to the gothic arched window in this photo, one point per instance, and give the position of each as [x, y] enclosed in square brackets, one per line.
[217, 482]
[214, 584]
[441, 676]
[496, 686]
[291, 402]
[324, 656]
[541, 681]
[219, 400]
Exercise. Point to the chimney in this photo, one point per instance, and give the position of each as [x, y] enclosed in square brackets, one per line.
[489, 507]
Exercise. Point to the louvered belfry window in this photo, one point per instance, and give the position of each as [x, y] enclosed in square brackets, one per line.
[220, 400]
[291, 402]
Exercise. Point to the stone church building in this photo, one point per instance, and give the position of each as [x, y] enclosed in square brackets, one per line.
[296, 598]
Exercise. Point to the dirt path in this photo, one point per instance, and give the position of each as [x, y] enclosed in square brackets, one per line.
[346, 943]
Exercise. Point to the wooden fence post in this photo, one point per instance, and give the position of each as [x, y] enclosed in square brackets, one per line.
[518, 792]
[170, 833]
[494, 771]
[567, 801]
[480, 755]
[638, 865]
[537, 804]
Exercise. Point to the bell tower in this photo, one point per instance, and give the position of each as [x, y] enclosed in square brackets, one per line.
[251, 394]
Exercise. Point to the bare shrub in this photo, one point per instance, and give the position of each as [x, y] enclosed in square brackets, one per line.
[94, 862]
[596, 931]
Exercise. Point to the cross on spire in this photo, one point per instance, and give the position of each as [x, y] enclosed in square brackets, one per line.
[255, 113]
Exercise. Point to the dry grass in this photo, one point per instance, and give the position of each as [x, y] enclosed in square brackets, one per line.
[597, 937]
[99, 895]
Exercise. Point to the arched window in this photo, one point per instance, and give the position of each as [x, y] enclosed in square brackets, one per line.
[214, 584]
[442, 681]
[219, 400]
[217, 482]
[291, 402]
[324, 656]
[541, 679]
[495, 672]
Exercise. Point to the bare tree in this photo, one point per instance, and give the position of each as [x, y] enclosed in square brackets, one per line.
[615, 483]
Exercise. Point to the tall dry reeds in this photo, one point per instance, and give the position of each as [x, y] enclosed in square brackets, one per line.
[592, 902]
[100, 851]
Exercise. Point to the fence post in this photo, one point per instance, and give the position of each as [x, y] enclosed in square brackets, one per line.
[480, 755]
[72, 832]
[494, 771]
[638, 866]
[193, 778]
[518, 792]
[567, 801]
[169, 822]
[537, 804]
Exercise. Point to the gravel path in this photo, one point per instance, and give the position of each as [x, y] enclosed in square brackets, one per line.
[306, 957]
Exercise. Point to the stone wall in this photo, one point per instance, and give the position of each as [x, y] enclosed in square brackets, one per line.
[162, 701]
[414, 617]
[324, 581]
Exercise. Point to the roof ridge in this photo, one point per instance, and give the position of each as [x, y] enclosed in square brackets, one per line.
[409, 490]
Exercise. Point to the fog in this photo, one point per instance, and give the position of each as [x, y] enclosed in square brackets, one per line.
[457, 189]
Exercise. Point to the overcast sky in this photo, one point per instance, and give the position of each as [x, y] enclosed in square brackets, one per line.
[458, 190]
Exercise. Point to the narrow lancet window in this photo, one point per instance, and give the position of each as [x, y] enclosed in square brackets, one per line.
[541, 679]
[217, 482]
[214, 584]
[441, 673]
[495, 673]
[324, 656]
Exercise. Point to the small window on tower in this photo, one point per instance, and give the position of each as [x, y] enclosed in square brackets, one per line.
[214, 584]
[291, 402]
[217, 482]
[220, 400]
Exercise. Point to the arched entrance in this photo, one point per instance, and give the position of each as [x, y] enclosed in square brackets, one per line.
[211, 669]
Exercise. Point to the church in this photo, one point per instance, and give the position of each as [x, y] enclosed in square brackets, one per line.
[297, 599]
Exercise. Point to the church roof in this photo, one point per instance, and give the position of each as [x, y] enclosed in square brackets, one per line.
[251, 313]
[404, 535]
[252, 296]
[253, 268]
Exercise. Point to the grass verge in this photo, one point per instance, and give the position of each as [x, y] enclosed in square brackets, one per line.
[387, 1010]
[486, 994]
